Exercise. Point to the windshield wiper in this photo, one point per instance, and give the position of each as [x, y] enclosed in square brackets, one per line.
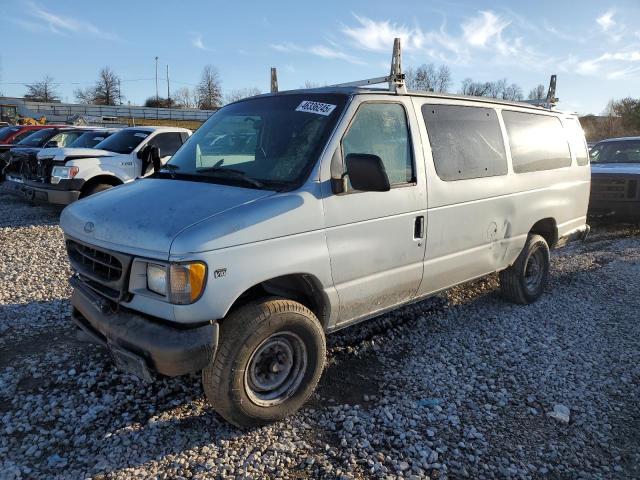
[240, 175]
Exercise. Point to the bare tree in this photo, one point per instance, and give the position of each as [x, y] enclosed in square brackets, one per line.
[84, 95]
[184, 98]
[497, 89]
[538, 93]
[239, 94]
[208, 90]
[106, 91]
[428, 78]
[42, 91]
[476, 89]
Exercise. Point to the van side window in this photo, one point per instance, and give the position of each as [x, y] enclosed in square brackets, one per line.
[168, 143]
[381, 129]
[576, 140]
[466, 142]
[538, 142]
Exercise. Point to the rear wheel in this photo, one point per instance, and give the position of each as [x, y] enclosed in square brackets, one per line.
[525, 281]
[269, 360]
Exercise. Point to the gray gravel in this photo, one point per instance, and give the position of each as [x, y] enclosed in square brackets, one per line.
[463, 385]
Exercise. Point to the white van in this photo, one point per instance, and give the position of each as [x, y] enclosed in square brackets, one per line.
[62, 175]
[319, 209]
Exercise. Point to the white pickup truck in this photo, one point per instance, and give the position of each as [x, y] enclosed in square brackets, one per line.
[64, 175]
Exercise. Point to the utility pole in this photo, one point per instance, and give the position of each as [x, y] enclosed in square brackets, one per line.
[157, 96]
[119, 93]
[168, 94]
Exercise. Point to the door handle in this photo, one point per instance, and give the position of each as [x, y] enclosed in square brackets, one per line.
[418, 228]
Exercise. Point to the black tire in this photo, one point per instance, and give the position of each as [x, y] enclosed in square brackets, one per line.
[247, 337]
[98, 187]
[525, 281]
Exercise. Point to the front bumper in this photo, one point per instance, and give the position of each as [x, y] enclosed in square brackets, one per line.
[169, 350]
[61, 194]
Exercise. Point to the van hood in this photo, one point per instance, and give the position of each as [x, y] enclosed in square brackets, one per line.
[143, 217]
[613, 168]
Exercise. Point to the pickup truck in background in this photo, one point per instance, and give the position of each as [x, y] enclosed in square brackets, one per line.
[615, 178]
[64, 175]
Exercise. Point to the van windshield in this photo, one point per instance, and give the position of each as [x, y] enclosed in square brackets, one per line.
[266, 142]
[124, 141]
[621, 151]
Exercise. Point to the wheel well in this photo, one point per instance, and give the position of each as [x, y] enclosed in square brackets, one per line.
[547, 229]
[299, 287]
[92, 182]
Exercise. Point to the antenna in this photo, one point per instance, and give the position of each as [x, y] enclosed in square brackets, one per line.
[395, 79]
[274, 80]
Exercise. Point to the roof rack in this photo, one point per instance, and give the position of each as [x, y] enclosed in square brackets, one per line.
[395, 79]
[551, 101]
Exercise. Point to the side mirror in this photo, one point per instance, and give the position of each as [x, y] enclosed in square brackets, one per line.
[143, 152]
[154, 153]
[51, 144]
[367, 173]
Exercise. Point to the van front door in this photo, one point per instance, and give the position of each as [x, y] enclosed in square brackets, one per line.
[376, 239]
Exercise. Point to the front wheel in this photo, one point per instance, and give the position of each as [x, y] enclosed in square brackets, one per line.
[525, 281]
[270, 357]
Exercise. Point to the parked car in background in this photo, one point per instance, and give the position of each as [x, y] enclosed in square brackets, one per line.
[22, 159]
[65, 174]
[291, 215]
[13, 134]
[615, 178]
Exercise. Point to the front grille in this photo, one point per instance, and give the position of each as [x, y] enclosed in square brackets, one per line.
[101, 264]
[609, 189]
[102, 270]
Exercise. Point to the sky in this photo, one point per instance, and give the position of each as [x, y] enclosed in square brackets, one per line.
[592, 45]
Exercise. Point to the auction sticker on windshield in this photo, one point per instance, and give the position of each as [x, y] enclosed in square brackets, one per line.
[315, 107]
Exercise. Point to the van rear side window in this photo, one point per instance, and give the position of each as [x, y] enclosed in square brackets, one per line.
[466, 142]
[538, 142]
[576, 139]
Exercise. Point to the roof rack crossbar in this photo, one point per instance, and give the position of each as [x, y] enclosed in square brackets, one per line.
[395, 79]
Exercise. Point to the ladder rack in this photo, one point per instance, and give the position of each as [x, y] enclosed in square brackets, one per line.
[551, 101]
[395, 79]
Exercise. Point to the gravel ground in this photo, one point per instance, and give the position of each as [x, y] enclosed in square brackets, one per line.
[463, 385]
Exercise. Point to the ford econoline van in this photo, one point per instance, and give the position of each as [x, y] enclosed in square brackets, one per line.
[287, 216]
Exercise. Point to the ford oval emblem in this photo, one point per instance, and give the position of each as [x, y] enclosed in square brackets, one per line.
[89, 227]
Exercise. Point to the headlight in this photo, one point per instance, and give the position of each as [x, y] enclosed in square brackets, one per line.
[157, 278]
[181, 283]
[63, 173]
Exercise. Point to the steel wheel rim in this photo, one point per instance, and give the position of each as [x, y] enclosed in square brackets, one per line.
[534, 270]
[275, 369]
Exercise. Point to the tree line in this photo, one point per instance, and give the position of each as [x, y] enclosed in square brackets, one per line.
[207, 94]
[621, 119]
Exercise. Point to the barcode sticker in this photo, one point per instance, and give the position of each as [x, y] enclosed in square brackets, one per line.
[315, 107]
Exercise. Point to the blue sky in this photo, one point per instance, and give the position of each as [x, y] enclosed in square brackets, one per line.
[593, 46]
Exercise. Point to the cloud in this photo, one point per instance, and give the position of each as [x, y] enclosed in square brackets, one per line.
[484, 31]
[479, 31]
[322, 51]
[46, 20]
[197, 42]
[606, 20]
[612, 65]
